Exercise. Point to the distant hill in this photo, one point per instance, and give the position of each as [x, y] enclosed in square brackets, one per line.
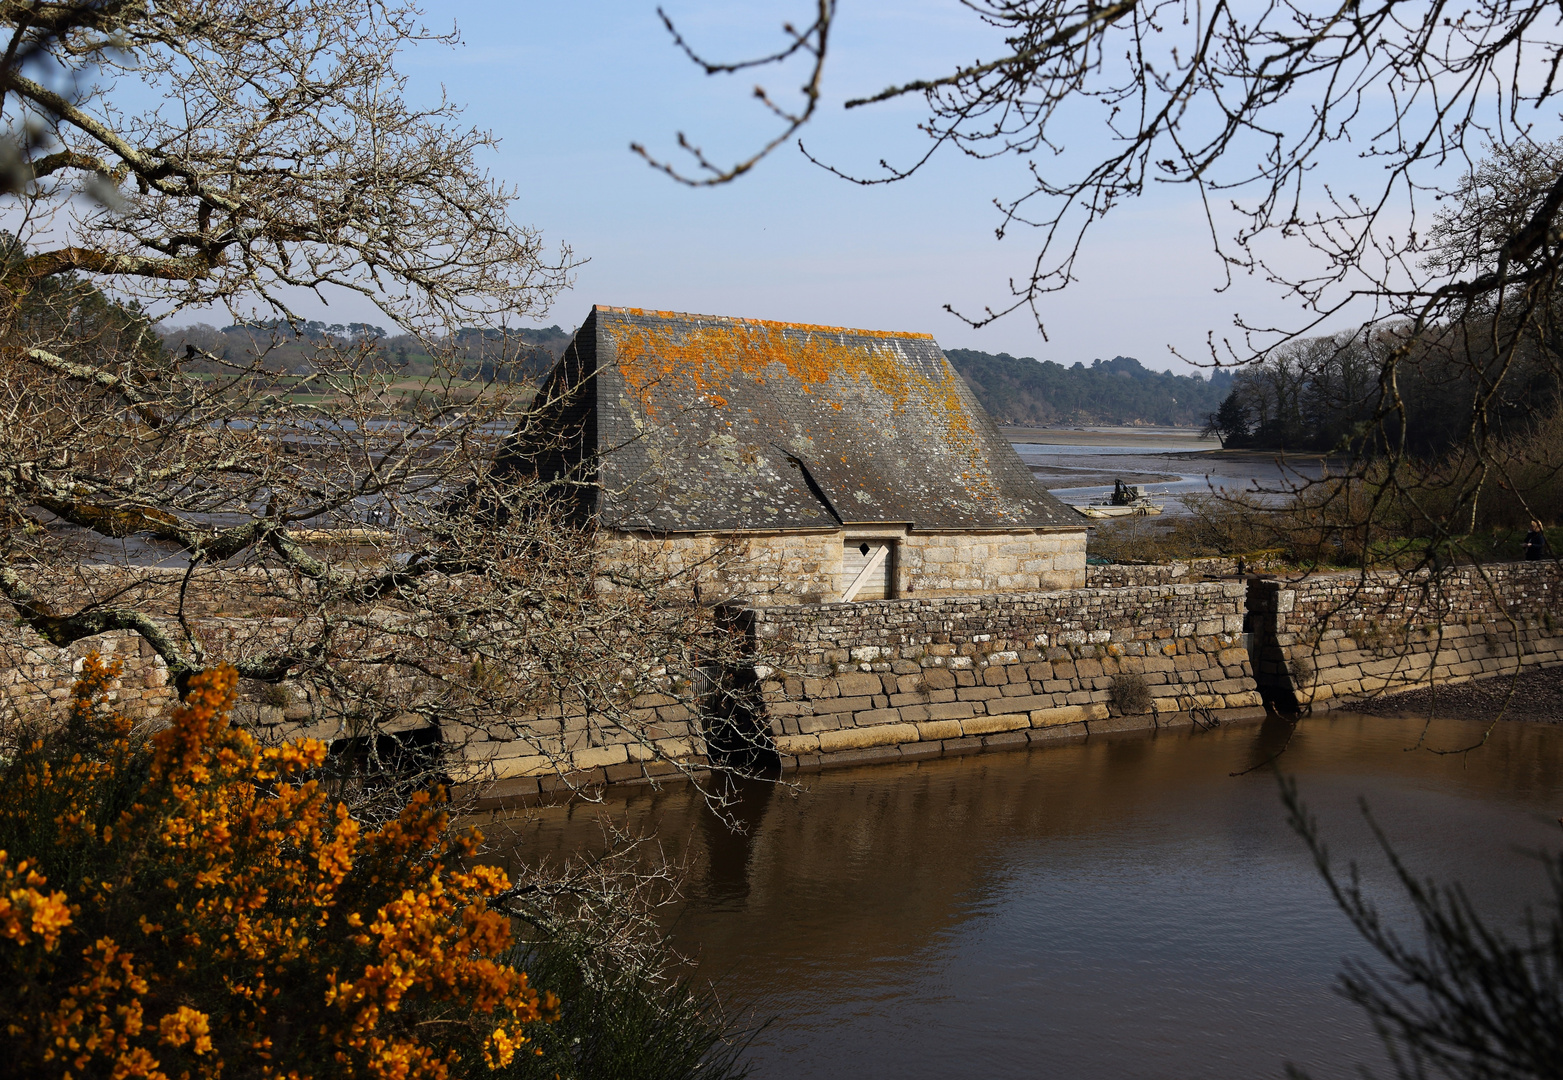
[523, 354]
[1120, 391]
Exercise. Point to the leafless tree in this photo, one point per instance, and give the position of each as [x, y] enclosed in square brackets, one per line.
[186, 154]
[1387, 167]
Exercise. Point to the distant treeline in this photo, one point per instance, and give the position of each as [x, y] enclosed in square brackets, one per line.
[1117, 391]
[519, 355]
[1325, 393]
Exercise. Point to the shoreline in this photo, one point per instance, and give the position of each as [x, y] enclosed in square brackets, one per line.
[1129, 436]
[1534, 696]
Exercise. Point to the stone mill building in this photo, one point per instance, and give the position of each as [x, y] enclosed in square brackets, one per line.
[825, 464]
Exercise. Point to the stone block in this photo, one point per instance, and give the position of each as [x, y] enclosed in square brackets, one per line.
[514, 767]
[987, 725]
[1006, 740]
[680, 749]
[955, 710]
[939, 679]
[977, 693]
[853, 704]
[797, 744]
[873, 755]
[829, 722]
[619, 774]
[831, 742]
[1029, 703]
[1068, 714]
[861, 685]
[876, 716]
[789, 708]
[936, 730]
[596, 757]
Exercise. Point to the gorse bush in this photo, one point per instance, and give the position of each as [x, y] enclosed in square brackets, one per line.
[191, 904]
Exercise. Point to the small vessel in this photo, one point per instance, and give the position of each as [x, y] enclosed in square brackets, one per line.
[1127, 500]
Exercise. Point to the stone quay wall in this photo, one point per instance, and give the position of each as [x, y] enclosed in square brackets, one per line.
[920, 676]
[1331, 638]
[904, 679]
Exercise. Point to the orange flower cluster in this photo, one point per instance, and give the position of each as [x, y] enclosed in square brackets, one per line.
[221, 914]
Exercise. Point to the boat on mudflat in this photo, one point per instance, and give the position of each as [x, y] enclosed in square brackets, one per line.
[1127, 500]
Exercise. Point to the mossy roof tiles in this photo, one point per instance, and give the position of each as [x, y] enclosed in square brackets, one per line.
[709, 423]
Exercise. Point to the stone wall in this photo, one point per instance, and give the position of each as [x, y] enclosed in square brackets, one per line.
[1126, 575]
[36, 678]
[967, 564]
[919, 676]
[769, 569]
[923, 677]
[1330, 638]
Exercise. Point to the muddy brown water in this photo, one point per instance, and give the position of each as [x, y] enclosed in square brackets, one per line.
[1122, 907]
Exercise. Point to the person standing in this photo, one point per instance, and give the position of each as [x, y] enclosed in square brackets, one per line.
[1535, 542]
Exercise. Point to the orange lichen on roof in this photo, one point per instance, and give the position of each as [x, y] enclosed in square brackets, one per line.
[762, 322]
[715, 353]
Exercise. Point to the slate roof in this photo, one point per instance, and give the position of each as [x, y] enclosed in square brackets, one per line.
[706, 423]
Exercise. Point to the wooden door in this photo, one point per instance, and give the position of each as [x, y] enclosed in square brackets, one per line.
[867, 569]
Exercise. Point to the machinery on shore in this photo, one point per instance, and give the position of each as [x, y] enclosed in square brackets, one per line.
[1127, 500]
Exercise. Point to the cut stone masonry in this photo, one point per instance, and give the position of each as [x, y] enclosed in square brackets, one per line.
[925, 676]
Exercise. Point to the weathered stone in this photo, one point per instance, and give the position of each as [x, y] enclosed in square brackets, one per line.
[858, 738]
[939, 729]
[1068, 714]
[986, 725]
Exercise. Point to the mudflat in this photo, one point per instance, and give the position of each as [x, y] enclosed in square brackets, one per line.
[1063, 459]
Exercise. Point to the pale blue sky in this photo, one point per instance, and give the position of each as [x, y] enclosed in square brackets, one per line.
[567, 88]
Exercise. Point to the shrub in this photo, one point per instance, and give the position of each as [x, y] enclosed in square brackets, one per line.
[1130, 694]
[622, 1021]
[1302, 671]
[191, 905]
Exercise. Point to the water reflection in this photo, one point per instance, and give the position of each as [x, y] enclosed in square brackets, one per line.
[1119, 908]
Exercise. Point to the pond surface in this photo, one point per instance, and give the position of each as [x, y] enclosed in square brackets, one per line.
[1122, 907]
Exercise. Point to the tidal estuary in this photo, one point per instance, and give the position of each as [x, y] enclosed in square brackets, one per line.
[1118, 908]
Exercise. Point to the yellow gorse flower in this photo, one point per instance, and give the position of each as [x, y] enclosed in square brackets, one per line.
[236, 919]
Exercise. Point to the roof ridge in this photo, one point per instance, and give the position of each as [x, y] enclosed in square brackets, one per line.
[759, 322]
